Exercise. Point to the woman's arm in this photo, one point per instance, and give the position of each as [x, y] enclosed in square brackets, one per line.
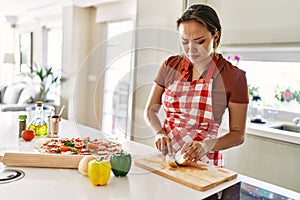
[237, 127]
[152, 108]
[162, 141]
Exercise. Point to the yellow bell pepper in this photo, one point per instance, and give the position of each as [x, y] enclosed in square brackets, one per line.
[99, 171]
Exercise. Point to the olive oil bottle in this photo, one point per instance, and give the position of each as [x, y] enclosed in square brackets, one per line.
[38, 123]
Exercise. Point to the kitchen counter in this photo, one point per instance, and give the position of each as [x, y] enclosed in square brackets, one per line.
[275, 117]
[274, 152]
[265, 130]
[48, 183]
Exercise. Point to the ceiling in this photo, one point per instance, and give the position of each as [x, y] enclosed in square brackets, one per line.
[21, 7]
[41, 8]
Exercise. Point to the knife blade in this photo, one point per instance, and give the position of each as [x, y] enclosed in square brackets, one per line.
[171, 159]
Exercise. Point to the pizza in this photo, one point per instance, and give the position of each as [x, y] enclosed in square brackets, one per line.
[80, 146]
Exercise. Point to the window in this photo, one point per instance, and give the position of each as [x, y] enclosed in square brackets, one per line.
[268, 76]
[8, 68]
[117, 79]
[54, 58]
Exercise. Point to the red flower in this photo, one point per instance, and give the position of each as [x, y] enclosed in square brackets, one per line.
[237, 58]
[287, 95]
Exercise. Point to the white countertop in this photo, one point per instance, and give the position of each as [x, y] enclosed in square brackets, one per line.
[70, 184]
[47, 183]
[265, 130]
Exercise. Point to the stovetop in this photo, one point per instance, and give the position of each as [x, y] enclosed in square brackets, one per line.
[10, 175]
[251, 192]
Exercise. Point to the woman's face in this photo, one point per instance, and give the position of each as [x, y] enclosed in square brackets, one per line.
[196, 41]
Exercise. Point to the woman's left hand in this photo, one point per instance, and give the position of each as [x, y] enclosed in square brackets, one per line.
[194, 151]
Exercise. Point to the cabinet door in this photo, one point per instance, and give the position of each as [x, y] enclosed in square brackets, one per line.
[257, 21]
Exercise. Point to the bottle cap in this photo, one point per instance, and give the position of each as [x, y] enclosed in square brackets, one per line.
[23, 117]
[39, 103]
[256, 98]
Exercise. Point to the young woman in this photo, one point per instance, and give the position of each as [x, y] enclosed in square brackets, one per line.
[194, 90]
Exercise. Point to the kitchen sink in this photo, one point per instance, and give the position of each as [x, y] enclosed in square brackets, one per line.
[287, 127]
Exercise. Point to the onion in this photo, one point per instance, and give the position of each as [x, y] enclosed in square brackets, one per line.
[83, 164]
[171, 162]
[180, 160]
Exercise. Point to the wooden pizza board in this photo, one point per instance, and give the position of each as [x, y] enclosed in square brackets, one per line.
[40, 160]
[200, 176]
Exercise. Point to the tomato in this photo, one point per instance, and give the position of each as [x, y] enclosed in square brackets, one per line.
[79, 145]
[28, 135]
[65, 148]
[92, 146]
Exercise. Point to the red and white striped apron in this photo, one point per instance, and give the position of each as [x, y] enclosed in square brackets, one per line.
[189, 115]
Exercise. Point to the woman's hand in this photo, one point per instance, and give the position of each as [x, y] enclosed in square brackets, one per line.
[194, 151]
[163, 144]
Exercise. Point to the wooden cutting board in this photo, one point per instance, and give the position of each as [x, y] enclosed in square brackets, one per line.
[40, 160]
[200, 176]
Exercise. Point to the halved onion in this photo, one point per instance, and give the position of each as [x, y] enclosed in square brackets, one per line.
[171, 162]
[180, 160]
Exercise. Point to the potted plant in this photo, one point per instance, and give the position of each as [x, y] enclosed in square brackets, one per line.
[47, 81]
[284, 95]
[253, 91]
[289, 98]
[45, 77]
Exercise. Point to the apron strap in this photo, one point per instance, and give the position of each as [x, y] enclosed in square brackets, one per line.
[186, 71]
[211, 69]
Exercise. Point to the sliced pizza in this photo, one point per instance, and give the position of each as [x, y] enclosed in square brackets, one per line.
[80, 146]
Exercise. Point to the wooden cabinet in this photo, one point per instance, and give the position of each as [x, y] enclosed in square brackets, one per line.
[266, 159]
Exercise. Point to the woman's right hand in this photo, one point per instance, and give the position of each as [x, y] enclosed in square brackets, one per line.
[163, 144]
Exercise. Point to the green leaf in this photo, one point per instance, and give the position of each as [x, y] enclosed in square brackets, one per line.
[69, 144]
[74, 150]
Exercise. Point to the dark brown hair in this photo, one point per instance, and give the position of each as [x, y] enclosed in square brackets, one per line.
[205, 15]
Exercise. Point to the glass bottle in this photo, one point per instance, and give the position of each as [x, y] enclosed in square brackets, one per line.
[256, 110]
[38, 123]
[22, 122]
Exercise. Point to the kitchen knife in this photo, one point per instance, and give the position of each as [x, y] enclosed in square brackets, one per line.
[170, 159]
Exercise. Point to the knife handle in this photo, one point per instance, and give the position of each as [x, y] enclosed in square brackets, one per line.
[166, 151]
